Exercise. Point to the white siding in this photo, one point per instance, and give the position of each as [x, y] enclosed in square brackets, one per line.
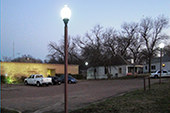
[100, 72]
[114, 71]
[123, 71]
[157, 67]
[90, 73]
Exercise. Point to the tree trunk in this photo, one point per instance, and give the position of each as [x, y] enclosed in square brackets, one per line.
[95, 73]
[149, 65]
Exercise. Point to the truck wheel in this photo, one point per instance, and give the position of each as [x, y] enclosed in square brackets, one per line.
[59, 83]
[69, 82]
[52, 83]
[26, 83]
[38, 84]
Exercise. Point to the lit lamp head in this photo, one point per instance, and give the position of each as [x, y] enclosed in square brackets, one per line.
[65, 14]
[86, 63]
[163, 65]
[161, 45]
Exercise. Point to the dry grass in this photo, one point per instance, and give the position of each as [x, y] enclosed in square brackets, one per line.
[156, 100]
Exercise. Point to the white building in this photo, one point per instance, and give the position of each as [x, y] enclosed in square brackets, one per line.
[155, 64]
[119, 68]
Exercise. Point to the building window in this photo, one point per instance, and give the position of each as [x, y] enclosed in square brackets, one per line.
[146, 68]
[120, 70]
[153, 67]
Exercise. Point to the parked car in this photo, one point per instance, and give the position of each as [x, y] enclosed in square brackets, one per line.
[156, 74]
[55, 80]
[38, 80]
[70, 79]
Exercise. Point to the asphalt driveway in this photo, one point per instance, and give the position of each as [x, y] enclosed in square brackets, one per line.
[32, 99]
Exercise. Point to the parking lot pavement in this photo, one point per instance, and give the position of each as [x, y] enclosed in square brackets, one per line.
[29, 99]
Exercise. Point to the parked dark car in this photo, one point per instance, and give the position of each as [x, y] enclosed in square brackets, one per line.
[70, 79]
[55, 80]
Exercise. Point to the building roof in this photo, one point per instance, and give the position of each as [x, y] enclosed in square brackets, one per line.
[119, 60]
[165, 58]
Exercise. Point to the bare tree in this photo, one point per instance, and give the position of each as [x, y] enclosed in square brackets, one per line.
[110, 46]
[27, 58]
[167, 49]
[98, 47]
[126, 38]
[6, 59]
[56, 52]
[90, 45]
[151, 32]
[92, 49]
[134, 42]
[110, 42]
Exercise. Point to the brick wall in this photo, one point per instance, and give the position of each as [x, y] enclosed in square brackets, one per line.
[26, 69]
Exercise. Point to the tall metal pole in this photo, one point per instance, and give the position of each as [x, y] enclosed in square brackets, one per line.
[66, 64]
[160, 66]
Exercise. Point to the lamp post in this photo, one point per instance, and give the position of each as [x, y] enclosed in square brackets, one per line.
[65, 15]
[161, 46]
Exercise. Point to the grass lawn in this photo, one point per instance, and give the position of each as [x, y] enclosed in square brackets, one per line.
[156, 100]
[3, 110]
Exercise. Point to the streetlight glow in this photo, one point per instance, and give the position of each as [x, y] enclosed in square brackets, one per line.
[86, 63]
[161, 45]
[65, 12]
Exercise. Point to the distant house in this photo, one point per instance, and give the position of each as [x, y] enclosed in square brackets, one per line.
[119, 68]
[155, 64]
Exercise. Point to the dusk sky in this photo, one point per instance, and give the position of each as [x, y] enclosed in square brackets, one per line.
[32, 24]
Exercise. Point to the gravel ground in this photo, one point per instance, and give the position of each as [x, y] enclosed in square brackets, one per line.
[50, 99]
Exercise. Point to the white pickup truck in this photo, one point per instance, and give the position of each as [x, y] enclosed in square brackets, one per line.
[38, 80]
[164, 73]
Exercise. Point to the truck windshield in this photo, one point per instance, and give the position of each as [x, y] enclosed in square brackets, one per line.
[39, 76]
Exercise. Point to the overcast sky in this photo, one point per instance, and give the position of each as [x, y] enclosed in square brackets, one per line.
[28, 26]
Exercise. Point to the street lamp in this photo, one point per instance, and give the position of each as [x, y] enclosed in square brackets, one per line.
[65, 15]
[161, 46]
[86, 63]
[86, 67]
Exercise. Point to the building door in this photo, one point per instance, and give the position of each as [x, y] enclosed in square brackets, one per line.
[50, 72]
